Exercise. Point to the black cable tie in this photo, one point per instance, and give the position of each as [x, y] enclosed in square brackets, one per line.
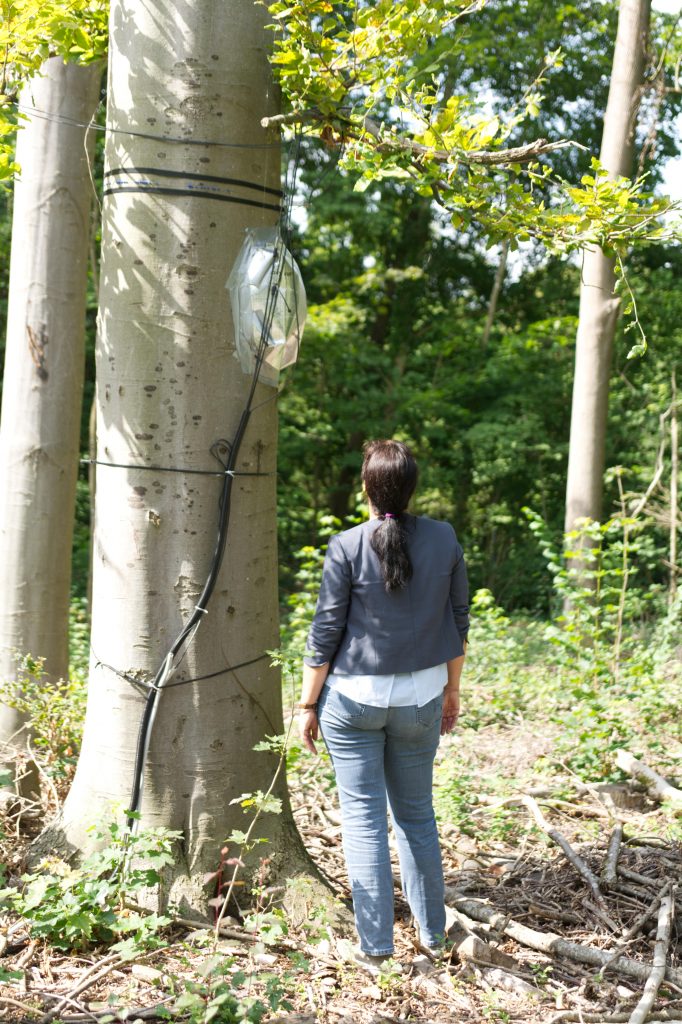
[156, 190]
[220, 672]
[173, 469]
[47, 115]
[163, 172]
[179, 682]
[121, 675]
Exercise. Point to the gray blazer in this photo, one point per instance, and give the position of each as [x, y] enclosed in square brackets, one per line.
[363, 630]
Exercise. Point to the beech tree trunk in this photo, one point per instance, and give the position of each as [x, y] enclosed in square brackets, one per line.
[187, 169]
[599, 306]
[43, 380]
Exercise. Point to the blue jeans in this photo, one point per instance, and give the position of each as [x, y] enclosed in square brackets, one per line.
[379, 753]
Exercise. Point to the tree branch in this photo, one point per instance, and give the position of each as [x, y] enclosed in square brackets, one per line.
[653, 982]
[655, 783]
[398, 144]
[571, 856]
[552, 944]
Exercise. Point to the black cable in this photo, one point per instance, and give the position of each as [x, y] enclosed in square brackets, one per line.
[171, 469]
[46, 115]
[179, 682]
[233, 448]
[164, 172]
[158, 190]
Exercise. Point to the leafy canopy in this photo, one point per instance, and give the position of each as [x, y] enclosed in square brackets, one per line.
[30, 32]
[369, 77]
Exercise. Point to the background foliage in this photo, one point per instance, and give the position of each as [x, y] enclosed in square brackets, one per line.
[395, 343]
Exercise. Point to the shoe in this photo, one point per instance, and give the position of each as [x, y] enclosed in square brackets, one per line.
[377, 965]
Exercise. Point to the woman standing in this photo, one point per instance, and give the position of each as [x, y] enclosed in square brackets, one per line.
[381, 681]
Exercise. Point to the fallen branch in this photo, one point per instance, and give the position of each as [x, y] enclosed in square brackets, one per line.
[654, 782]
[554, 945]
[635, 876]
[643, 918]
[83, 1014]
[6, 1001]
[609, 876]
[131, 1013]
[239, 934]
[608, 1018]
[601, 915]
[90, 977]
[550, 914]
[578, 863]
[653, 982]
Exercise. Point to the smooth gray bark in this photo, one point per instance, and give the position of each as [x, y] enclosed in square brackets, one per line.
[43, 379]
[168, 386]
[599, 306]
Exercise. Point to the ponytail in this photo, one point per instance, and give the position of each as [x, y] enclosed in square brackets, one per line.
[389, 542]
[389, 474]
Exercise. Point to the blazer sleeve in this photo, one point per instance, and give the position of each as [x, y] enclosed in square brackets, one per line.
[459, 594]
[331, 613]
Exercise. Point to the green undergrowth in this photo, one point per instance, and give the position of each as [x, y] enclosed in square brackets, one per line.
[94, 903]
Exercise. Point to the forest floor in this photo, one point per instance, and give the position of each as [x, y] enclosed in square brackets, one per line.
[534, 937]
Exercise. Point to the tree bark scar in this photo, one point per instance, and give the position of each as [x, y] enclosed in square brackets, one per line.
[37, 340]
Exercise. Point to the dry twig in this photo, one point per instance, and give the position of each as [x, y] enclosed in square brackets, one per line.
[653, 982]
[90, 977]
[568, 851]
[554, 945]
[580, 1017]
[608, 875]
[643, 918]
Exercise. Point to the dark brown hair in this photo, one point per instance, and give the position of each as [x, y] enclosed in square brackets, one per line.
[389, 475]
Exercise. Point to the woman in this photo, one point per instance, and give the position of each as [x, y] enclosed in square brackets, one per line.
[381, 681]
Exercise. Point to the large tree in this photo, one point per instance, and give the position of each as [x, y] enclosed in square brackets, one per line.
[599, 305]
[188, 168]
[43, 376]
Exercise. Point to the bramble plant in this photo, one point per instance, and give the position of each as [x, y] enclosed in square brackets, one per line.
[216, 997]
[54, 715]
[74, 908]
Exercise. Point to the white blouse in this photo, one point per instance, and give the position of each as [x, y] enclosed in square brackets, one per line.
[403, 689]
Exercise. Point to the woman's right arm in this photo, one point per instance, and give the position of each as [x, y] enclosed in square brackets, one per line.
[331, 612]
[451, 694]
[326, 631]
[459, 595]
[313, 681]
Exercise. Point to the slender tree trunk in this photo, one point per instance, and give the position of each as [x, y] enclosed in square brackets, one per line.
[598, 305]
[674, 491]
[495, 293]
[44, 364]
[168, 387]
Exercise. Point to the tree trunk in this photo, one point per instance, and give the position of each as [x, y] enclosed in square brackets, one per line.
[495, 293]
[168, 387]
[598, 305]
[44, 365]
[674, 491]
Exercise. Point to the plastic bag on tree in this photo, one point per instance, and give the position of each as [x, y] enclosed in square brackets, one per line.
[268, 304]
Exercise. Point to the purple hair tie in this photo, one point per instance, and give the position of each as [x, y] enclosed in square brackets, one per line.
[390, 515]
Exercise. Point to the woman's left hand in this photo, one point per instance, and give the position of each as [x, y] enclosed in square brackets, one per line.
[308, 729]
